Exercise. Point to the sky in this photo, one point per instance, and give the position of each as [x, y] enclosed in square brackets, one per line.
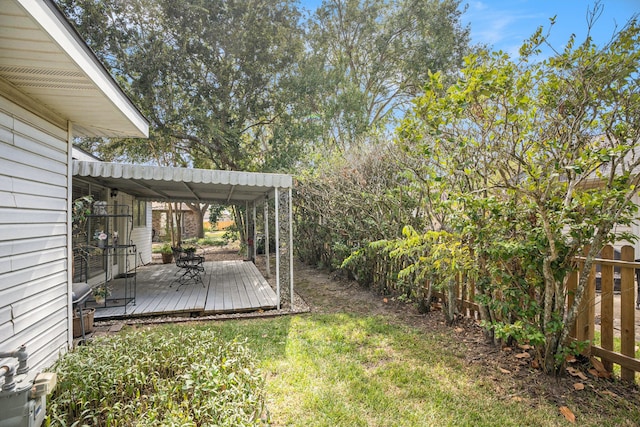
[505, 24]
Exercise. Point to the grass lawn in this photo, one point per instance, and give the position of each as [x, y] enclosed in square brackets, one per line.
[356, 370]
[349, 363]
[217, 234]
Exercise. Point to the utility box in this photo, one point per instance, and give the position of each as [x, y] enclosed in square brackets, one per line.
[17, 409]
[23, 400]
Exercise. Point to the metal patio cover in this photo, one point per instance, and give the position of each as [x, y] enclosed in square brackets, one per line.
[158, 183]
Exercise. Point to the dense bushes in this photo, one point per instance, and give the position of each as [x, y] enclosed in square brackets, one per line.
[504, 178]
[348, 203]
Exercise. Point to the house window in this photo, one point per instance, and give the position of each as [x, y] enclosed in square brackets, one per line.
[139, 213]
[87, 262]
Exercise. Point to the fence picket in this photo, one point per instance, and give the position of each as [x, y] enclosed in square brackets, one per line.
[606, 305]
[572, 285]
[627, 312]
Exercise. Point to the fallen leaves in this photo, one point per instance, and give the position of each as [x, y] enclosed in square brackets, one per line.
[576, 373]
[566, 412]
[598, 370]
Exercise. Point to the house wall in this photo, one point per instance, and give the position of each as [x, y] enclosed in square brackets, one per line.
[189, 224]
[33, 235]
[141, 237]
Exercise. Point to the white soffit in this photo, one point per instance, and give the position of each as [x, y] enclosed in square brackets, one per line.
[157, 183]
[44, 58]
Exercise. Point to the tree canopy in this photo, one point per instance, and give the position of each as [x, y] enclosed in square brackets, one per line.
[255, 85]
[209, 75]
[370, 58]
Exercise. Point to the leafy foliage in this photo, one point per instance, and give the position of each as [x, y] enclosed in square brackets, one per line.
[345, 205]
[367, 59]
[535, 161]
[211, 77]
[182, 377]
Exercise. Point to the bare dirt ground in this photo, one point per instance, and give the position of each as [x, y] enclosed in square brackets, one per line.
[512, 371]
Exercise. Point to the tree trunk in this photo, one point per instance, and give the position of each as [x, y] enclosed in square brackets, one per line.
[240, 224]
[177, 231]
[450, 300]
[199, 211]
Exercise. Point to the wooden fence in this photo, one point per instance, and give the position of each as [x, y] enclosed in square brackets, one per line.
[610, 297]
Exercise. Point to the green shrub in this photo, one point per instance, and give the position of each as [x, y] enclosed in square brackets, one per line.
[208, 241]
[164, 249]
[158, 377]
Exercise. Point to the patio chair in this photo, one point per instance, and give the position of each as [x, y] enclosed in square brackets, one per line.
[190, 265]
[80, 291]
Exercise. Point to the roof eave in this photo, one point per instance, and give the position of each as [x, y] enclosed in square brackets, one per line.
[111, 98]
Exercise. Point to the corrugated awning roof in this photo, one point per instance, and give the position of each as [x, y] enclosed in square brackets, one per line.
[157, 183]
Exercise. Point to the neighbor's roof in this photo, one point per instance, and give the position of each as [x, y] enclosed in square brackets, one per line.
[157, 183]
[47, 65]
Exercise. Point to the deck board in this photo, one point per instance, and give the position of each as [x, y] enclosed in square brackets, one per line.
[229, 286]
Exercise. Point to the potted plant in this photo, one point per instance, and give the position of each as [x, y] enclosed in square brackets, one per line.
[100, 293]
[101, 237]
[80, 209]
[167, 253]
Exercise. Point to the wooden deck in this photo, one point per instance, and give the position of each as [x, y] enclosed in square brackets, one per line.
[229, 287]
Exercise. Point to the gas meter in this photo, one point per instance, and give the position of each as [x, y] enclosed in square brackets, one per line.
[23, 401]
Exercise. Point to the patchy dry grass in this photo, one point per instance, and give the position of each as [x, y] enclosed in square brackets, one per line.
[358, 370]
[331, 369]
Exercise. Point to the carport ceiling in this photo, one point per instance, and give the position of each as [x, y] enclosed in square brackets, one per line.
[156, 183]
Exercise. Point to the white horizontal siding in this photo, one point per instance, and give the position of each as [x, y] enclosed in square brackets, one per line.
[23, 278]
[5, 315]
[15, 231]
[35, 122]
[45, 338]
[26, 261]
[15, 293]
[25, 151]
[37, 188]
[28, 172]
[51, 343]
[10, 247]
[44, 310]
[33, 235]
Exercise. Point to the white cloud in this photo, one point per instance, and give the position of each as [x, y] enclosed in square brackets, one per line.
[498, 26]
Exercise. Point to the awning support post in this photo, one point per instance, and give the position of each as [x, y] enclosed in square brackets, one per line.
[267, 239]
[277, 219]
